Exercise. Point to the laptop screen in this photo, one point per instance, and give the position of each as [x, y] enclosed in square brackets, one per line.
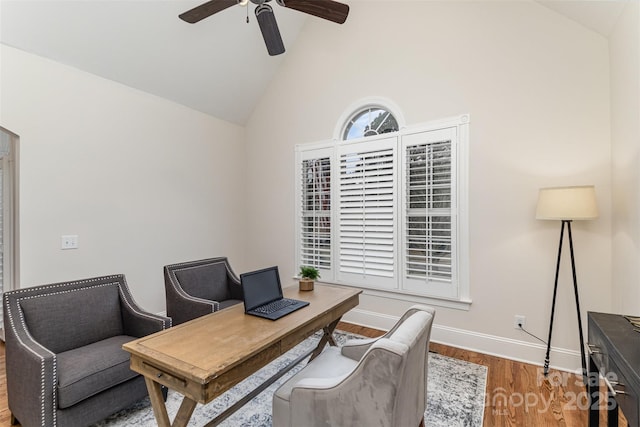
[260, 287]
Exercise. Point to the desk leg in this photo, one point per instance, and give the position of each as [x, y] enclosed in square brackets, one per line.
[593, 393]
[327, 337]
[157, 403]
[160, 409]
[612, 409]
[184, 413]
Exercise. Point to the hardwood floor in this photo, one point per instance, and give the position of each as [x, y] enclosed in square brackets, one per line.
[517, 393]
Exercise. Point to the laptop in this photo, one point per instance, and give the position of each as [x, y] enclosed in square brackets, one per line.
[263, 295]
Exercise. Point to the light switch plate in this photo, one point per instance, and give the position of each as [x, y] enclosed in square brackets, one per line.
[69, 241]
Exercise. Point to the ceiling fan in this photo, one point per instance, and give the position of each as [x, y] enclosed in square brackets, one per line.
[326, 9]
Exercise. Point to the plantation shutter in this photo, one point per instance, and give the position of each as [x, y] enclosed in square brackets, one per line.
[429, 225]
[315, 210]
[367, 212]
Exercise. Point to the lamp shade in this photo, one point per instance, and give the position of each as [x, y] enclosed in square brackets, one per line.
[572, 203]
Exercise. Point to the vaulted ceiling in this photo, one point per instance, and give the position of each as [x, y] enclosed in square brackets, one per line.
[218, 66]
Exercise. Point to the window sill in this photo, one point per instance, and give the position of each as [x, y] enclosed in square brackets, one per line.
[457, 304]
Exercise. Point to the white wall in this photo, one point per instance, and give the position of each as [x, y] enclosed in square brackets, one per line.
[537, 88]
[625, 142]
[144, 182]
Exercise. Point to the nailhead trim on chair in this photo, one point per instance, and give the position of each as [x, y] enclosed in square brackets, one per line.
[55, 359]
[126, 301]
[42, 371]
[217, 261]
[174, 280]
[22, 321]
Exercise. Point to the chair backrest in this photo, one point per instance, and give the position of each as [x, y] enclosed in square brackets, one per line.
[206, 279]
[415, 333]
[68, 315]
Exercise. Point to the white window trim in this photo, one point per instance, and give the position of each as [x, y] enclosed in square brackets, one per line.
[461, 122]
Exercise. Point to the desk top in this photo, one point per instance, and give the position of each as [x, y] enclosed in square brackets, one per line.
[207, 347]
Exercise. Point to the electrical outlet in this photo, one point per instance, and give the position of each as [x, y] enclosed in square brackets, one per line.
[519, 321]
[69, 241]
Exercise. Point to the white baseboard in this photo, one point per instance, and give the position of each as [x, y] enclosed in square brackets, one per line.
[521, 351]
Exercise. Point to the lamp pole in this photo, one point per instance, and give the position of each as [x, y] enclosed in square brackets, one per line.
[566, 222]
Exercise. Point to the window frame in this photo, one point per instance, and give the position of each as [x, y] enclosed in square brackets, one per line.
[460, 299]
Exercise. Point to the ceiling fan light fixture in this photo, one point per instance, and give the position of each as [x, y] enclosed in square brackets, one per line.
[269, 29]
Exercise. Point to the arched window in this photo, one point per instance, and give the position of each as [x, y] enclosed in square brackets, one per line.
[382, 205]
[370, 121]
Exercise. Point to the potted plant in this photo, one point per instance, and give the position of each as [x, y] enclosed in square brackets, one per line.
[307, 275]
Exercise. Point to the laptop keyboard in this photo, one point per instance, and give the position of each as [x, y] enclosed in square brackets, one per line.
[274, 306]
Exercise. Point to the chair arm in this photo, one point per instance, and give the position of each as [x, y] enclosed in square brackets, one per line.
[182, 307]
[141, 323]
[138, 322]
[31, 371]
[235, 289]
[233, 283]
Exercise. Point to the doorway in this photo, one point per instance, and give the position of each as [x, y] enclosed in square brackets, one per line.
[9, 277]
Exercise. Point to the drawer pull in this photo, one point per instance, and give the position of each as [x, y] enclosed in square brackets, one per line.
[619, 392]
[594, 349]
[614, 390]
[156, 372]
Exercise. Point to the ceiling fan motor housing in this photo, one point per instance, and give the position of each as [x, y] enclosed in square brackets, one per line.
[269, 29]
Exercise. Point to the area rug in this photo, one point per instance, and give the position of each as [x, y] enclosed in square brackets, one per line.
[455, 393]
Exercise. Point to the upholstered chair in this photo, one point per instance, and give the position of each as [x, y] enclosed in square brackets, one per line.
[196, 288]
[64, 357]
[378, 383]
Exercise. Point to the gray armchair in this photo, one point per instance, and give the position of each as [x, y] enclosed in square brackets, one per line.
[196, 288]
[64, 357]
[379, 382]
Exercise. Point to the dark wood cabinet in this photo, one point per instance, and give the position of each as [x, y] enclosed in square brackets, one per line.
[614, 353]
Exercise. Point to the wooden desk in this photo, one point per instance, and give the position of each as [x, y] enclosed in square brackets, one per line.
[614, 352]
[205, 357]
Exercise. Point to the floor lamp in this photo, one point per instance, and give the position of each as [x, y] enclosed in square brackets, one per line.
[567, 204]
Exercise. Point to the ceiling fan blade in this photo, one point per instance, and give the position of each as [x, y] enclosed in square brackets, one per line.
[326, 9]
[269, 28]
[205, 10]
